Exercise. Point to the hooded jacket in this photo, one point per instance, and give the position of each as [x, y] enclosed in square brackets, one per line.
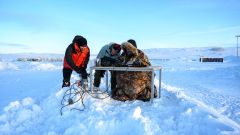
[76, 57]
[107, 59]
[132, 85]
[106, 52]
[134, 56]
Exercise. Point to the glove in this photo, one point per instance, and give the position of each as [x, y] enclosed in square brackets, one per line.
[107, 61]
[129, 63]
[137, 63]
[84, 49]
[119, 63]
[85, 84]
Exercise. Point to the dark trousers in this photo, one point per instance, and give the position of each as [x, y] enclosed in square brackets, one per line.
[100, 73]
[67, 74]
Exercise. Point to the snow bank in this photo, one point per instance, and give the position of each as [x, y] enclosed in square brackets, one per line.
[215, 113]
[8, 66]
[44, 66]
[206, 112]
[40, 66]
[170, 115]
[20, 115]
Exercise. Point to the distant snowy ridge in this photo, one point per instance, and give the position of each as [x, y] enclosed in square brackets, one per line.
[40, 59]
[172, 53]
[16, 56]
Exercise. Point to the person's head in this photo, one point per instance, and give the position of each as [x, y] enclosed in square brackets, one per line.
[133, 42]
[115, 49]
[129, 49]
[80, 40]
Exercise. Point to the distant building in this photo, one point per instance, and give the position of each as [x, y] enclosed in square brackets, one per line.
[207, 59]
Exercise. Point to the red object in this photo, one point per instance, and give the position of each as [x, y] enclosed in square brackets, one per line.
[79, 57]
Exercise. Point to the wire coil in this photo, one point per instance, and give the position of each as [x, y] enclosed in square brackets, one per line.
[76, 93]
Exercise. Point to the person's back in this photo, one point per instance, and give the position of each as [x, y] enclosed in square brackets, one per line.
[108, 56]
[133, 56]
[133, 85]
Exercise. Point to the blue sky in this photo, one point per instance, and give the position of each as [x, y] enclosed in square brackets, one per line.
[50, 25]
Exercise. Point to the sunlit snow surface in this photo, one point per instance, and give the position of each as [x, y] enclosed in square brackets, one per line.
[197, 98]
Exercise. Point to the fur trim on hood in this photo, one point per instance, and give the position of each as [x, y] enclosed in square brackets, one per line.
[128, 46]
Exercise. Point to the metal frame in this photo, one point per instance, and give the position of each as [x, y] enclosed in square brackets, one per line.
[150, 68]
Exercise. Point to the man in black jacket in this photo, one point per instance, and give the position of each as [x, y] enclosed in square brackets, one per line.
[76, 58]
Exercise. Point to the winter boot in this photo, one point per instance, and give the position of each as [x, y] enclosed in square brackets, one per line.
[96, 89]
[65, 84]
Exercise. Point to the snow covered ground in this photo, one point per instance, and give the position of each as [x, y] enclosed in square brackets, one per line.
[197, 98]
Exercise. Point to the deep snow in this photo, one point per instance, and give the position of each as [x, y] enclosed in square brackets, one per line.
[197, 98]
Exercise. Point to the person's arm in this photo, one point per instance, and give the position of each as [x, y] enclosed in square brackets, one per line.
[68, 56]
[141, 60]
[102, 52]
[87, 59]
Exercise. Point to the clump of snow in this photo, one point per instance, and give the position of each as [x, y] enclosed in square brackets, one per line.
[20, 115]
[26, 65]
[137, 113]
[44, 66]
[2, 66]
[8, 66]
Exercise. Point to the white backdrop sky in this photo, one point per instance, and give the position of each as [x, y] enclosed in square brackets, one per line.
[49, 26]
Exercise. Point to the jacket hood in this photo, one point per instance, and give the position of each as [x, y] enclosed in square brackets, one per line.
[128, 46]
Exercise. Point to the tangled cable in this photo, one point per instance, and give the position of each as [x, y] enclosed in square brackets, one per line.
[76, 93]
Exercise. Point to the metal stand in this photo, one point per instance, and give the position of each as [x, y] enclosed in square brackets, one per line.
[150, 68]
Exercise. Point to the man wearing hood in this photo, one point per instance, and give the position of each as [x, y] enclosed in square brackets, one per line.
[132, 85]
[76, 58]
[108, 56]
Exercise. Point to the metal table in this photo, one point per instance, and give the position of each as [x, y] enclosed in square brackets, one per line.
[150, 68]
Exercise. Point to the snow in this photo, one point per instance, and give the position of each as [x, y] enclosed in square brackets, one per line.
[197, 98]
[44, 66]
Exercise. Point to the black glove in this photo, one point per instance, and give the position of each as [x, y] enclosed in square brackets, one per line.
[118, 63]
[107, 61]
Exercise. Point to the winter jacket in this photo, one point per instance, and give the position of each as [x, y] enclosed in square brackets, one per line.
[132, 85]
[76, 58]
[133, 56]
[106, 56]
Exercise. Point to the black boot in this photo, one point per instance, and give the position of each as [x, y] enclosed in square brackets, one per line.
[65, 84]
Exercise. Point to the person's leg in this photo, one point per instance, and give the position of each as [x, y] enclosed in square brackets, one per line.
[66, 77]
[84, 82]
[97, 77]
[84, 73]
[113, 80]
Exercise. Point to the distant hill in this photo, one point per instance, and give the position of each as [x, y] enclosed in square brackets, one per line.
[170, 53]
